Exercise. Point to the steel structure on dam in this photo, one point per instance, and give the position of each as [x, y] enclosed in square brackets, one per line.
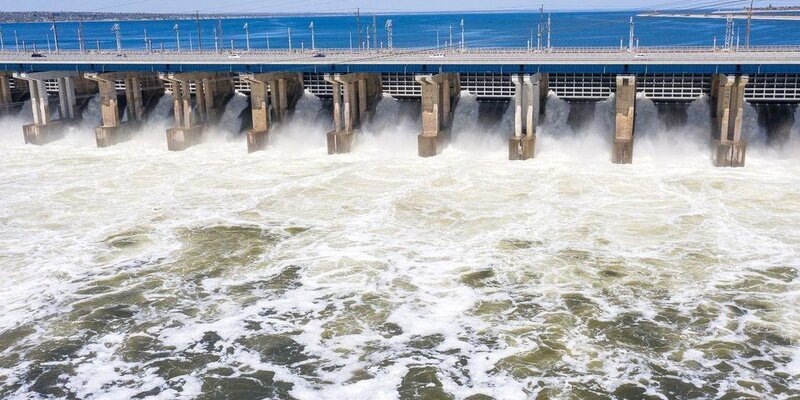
[201, 82]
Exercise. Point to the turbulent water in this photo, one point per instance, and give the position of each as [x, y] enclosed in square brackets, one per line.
[131, 271]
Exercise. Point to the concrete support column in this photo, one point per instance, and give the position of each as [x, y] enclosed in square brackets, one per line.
[355, 97]
[527, 99]
[201, 99]
[5, 92]
[40, 102]
[337, 106]
[212, 91]
[277, 92]
[112, 130]
[133, 96]
[44, 130]
[622, 152]
[439, 97]
[727, 100]
[257, 136]
[544, 91]
[350, 106]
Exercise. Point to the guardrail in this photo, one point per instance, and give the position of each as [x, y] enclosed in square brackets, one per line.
[423, 50]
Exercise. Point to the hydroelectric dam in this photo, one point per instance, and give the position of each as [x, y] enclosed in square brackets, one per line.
[354, 81]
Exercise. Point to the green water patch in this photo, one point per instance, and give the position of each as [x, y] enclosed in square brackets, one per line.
[726, 350]
[143, 348]
[543, 360]
[254, 386]
[674, 386]
[479, 278]
[130, 239]
[353, 316]
[518, 244]
[631, 331]
[783, 274]
[427, 342]
[295, 230]
[280, 350]
[580, 305]
[287, 279]
[422, 383]
[631, 391]
[10, 337]
[211, 251]
[50, 364]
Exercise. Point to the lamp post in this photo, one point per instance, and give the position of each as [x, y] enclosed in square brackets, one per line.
[177, 37]
[247, 35]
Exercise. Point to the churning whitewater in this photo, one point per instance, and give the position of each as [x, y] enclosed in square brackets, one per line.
[134, 272]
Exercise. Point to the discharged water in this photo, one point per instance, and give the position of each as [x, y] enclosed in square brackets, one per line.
[133, 271]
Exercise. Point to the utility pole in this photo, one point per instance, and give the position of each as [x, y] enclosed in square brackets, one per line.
[81, 43]
[117, 37]
[389, 28]
[375, 32]
[451, 38]
[313, 39]
[358, 26]
[463, 44]
[55, 31]
[290, 39]
[749, 22]
[351, 40]
[146, 42]
[549, 30]
[729, 32]
[216, 39]
[366, 44]
[221, 37]
[630, 37]
[2, 42]
[267, 40]
[199, 30]
[246, 28]
[540, 28]
[177, 38]
[16, 39]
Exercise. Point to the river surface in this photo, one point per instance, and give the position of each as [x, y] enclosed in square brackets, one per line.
[132, 271]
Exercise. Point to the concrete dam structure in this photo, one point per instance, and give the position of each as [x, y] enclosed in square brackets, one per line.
[355, 81]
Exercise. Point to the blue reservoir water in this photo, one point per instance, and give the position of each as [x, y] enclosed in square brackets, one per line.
[484, 30]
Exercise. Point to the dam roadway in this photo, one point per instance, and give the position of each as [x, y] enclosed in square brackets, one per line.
[201, 83]
[589, 60]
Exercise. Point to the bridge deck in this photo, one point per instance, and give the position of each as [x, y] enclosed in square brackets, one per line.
[685, 59]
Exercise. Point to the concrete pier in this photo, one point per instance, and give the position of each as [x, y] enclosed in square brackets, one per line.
[527, 108]
[44, 129]
[727, 109]
[622, 152]
[354, 99]
[272, 95]
[440, 95]
[212, 91]
[5, 92]
[140, 88]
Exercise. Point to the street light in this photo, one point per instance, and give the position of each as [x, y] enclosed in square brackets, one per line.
[246, 28]
[313, 40]
[118, 37]
[177, 37]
